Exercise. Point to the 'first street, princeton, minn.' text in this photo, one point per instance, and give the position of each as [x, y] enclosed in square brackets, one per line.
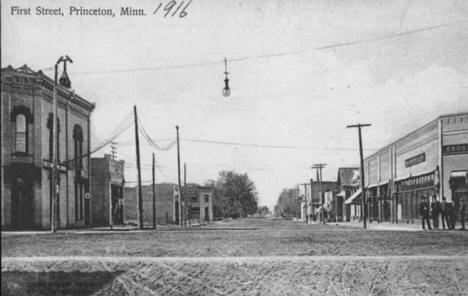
[75, 11]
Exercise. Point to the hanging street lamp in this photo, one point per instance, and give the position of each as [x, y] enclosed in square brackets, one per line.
[226, 90]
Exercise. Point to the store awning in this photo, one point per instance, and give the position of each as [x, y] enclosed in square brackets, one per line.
[353, 197]
[458, 178]
[458, 174]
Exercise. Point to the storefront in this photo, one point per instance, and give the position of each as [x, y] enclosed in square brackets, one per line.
[430, 161]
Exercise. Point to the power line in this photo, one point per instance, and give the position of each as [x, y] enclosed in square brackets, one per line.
[122, 127]
[270, 146]
[270, 55]
[153, 143]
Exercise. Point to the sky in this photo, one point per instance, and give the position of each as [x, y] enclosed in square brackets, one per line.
[300, 72]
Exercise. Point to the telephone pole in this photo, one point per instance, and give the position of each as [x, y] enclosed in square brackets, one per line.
[137, 145]
[54, 216]
[178, 177]
[318, 167]
[185, 195]
[363, 189]
[113, 150]
[306, 204]
[53, 183]
[154, 191]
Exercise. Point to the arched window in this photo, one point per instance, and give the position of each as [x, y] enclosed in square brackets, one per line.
[78, 144]
[21, 133]
[50, 127]
[21, 116]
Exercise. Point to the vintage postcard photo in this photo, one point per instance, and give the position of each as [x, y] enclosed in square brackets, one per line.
[234, 147]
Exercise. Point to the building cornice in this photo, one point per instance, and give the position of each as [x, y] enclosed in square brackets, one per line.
[25, 80]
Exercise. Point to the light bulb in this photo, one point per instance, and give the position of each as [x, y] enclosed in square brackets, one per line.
[226, 92]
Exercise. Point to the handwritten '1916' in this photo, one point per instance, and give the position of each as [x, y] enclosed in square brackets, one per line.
[170, 5]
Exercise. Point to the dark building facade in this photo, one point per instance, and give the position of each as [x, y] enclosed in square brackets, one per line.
[166, 198]
[107, 187]
[26, 146]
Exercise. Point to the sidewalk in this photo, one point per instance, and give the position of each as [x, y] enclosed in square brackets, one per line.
[107, 229]
[402, 226]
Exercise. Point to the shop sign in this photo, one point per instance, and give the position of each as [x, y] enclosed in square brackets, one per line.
[415, 160]
[455, 149]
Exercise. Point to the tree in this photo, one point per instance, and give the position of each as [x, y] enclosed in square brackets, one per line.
[288, 204]
[263, 211]
[234, 195]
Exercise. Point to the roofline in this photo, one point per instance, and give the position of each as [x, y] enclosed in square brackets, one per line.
[464, 113]
[41, 74]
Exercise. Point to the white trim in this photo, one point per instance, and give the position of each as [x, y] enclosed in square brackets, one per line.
[353, 197]
[414, 176]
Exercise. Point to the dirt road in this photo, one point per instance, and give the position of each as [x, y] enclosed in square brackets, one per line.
[249, 257]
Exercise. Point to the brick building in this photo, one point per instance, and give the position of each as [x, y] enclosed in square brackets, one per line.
[432, 160]
[200, 201]
[26, 146]
[107, 187]
[166, 198]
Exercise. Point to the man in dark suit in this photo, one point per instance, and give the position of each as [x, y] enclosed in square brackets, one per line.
[444, 213]
[451, 213]
[424, 212]
[454, 215]
[462, 211]
[435, 211]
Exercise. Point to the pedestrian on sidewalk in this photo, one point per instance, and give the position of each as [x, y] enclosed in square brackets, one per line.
[424, 212]
[444, 213]
[454, 214]
[435, 211]
[462, 211]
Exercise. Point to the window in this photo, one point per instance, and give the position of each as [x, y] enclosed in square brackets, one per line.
[78, 145]
[195, 199]
[50, 127]
[21, 133]
[207, 198]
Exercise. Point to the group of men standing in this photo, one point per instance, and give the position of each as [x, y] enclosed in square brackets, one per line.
[446, 211]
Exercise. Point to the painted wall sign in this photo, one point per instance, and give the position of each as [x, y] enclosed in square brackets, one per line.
[455, 149]
[415, 160]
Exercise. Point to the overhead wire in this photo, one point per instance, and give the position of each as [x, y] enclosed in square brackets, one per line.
[122, 127]
[271, 146]
[151, 141]
[270, 55]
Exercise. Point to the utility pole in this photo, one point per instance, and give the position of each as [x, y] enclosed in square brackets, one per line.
[319, 167]
[54, 186]
[140, 195]
[305, 202]
[53, 182]
[311, 200]
[178, 176]
[154, 191]
[113, 150]
[363, 189]
[185, 195]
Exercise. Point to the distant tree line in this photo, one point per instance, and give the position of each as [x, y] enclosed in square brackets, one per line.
[288, 205]
[263, 211]
[234, 195]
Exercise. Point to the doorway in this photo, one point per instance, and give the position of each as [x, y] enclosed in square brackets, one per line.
[22, 205]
